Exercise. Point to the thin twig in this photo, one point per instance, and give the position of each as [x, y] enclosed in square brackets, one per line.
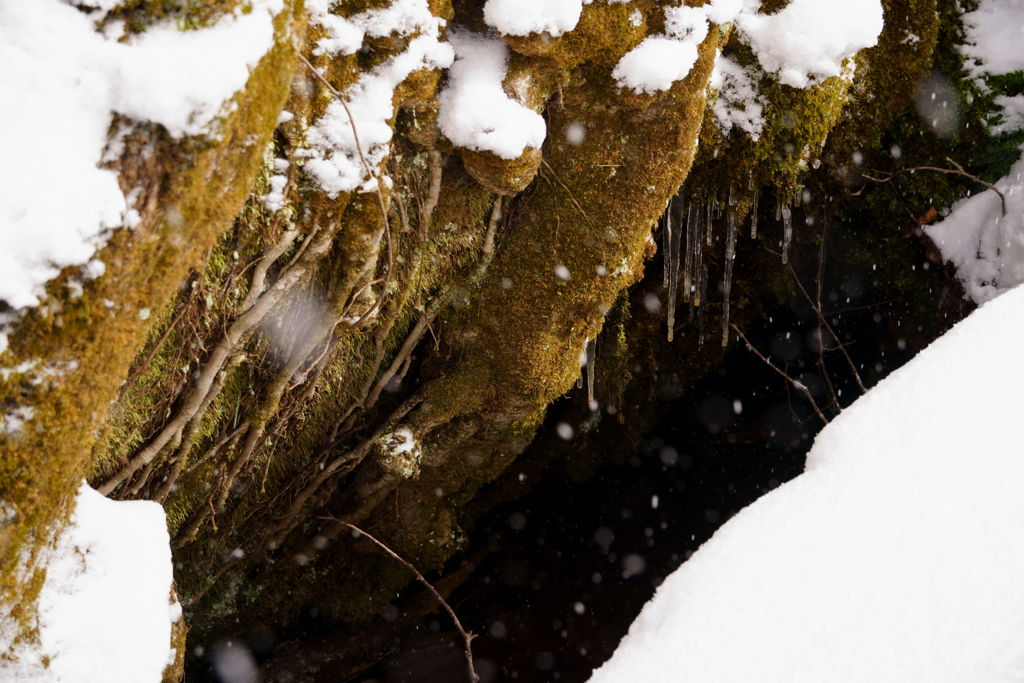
[156, 347]
[824, 321]
[803, 389]
[467, 637]
[819, 281]
[559, 181]
[959, 170]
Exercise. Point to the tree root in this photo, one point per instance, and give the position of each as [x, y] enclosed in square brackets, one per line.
[222, 352]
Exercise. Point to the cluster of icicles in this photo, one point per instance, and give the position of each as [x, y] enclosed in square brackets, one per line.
[695, 223]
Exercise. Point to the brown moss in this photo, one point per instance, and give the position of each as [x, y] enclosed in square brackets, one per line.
[521, 334]
[502, 176]
[192, 190]
[175, 670]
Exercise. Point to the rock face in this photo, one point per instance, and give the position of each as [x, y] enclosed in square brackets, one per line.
[367, 323]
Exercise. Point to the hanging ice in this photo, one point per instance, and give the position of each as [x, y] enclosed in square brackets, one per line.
[730, 256]
[698, 259]
[753, 217]
[712, 213]
[591, 372]
[666, 243]
[673, 276]
[787, 232]
[702, 293]
[692, 227]
[583, 363]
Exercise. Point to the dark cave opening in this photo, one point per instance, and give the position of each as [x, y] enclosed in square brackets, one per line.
[551, 581]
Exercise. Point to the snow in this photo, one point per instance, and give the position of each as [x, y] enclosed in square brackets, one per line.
[659, 61]
[475, 113]
[994, 34]
[274, 200]
[104, 609]
[60, 84]
[986, 247]
[1012, 111]
[738, 104]
[808, 40]
[523, 17]
[655, 64]
[345, 36]
[803, 44]
[896, 556]
[331, 151]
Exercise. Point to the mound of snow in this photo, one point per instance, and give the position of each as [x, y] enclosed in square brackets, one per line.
[103, 610]
[898, 554]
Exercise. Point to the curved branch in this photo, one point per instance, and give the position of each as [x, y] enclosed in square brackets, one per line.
[959, 170]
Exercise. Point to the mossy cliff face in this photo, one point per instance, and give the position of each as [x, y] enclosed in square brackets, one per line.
[570, 248]
[75, 348]
[378, 359]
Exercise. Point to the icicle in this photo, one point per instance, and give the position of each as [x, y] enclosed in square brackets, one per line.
[753, 218]
[591, 371]
[711, 214]
[703, 293]
[666, 242]
[787, 232]
[698, 284]
[698, 257]
[673, 280]
[730, 256]
[692, 219]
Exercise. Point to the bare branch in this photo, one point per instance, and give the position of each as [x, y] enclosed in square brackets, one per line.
[824, 322]
[959, 170]
[789, 380]
[467, 637]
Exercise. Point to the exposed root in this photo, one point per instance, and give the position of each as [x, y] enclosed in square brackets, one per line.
[165, 490]
[434, 160]
[492, 226]
[220, 355]
[348, 460]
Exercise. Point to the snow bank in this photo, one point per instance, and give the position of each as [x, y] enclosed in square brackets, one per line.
[808, 40]
[898, 554]
[332, 153]
[803, 44]
[475, 111]
[60, 83]
[103, 611]
[986, 247]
